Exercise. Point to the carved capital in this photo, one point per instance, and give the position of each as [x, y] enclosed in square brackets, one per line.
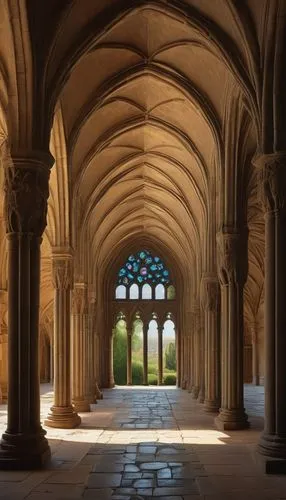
[209, 293]
[232, 257]
[62, 272]
[79, 300]
[26, 193]
[272, 181]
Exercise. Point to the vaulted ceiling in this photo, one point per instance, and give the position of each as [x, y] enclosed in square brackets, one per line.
[141, 91]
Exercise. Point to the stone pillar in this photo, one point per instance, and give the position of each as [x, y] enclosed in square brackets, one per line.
[196, 352]
[145, 354]
[272, 443]
[232, 266]
[209, 303]
[129, 356]
[4, 362]
[23, 444]
[80, 382]
[160, 355]
[255, 354]
[91, 350]
[111, 381]
[62, 414]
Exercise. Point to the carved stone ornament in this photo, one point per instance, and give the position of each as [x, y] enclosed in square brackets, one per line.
[62, 273]
[209, 293]
[228, 244]
[79, 299]
[272, 182]
[26, 194]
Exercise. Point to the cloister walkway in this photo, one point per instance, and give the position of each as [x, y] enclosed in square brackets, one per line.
[140, 443]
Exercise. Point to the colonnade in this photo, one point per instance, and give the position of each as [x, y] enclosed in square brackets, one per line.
[129, 330]
[215, 326]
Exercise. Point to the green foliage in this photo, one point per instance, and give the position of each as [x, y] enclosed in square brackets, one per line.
[170, 356]
[152, 379]
[137, 373]
[137, 341]
[152, 368]
[170, 379]
[120, 353]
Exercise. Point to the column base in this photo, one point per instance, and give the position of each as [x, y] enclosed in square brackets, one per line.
[231, 420]
[62, 417]
[195, 392]
[211, 406]
[81, 405]
[98, 393]
[272, 453]
[201, 396]
[22, 452]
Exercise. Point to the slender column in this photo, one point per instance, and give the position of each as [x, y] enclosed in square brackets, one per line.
[80, 388]
[209, 302]
[196, 353]
[232, 273]
[129, 357]
[160, 355]
[23, 444]
[4, 362]
[111, 374]
[145, 354]
[91, 350]
[62, 414]
[272, 443]
[255, 355]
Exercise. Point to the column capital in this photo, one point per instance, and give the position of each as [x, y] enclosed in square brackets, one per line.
[79, 298]
[62, 271]
[209, 292]
[231, 247]
[272, 180]
[26, 189]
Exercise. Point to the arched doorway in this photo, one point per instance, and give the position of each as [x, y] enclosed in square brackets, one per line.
[145, 321]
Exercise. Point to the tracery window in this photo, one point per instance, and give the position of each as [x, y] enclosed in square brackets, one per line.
[144, 276]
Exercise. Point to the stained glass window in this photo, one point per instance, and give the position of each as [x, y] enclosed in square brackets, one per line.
[141, 268]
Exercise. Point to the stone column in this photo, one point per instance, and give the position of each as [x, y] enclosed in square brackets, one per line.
[62, 414]
[272, 443]
[91, 350]
[4, 362]
[80, 385]
[111, 381]
[255, 354]
[129, 356]
[145, 354]
[23, 444]
[196, 353]
[232, 273]
[209, 303]
[160, 355]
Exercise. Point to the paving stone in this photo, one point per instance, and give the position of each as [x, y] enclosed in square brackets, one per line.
[153, 465]
[104, 480]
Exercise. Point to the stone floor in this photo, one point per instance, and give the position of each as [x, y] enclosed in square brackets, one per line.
[141, 443]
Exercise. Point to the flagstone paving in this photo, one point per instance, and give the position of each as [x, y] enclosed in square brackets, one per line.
[143, 443]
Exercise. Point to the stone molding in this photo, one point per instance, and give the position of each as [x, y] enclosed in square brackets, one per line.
[26, 189]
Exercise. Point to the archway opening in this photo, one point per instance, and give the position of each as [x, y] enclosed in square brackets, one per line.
[145, 310]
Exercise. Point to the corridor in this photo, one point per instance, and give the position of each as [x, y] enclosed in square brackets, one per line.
[141, 443]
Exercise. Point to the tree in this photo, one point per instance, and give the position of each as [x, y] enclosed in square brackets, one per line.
[170, 356]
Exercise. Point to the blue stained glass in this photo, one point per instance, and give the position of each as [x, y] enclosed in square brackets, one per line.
[141, 268]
